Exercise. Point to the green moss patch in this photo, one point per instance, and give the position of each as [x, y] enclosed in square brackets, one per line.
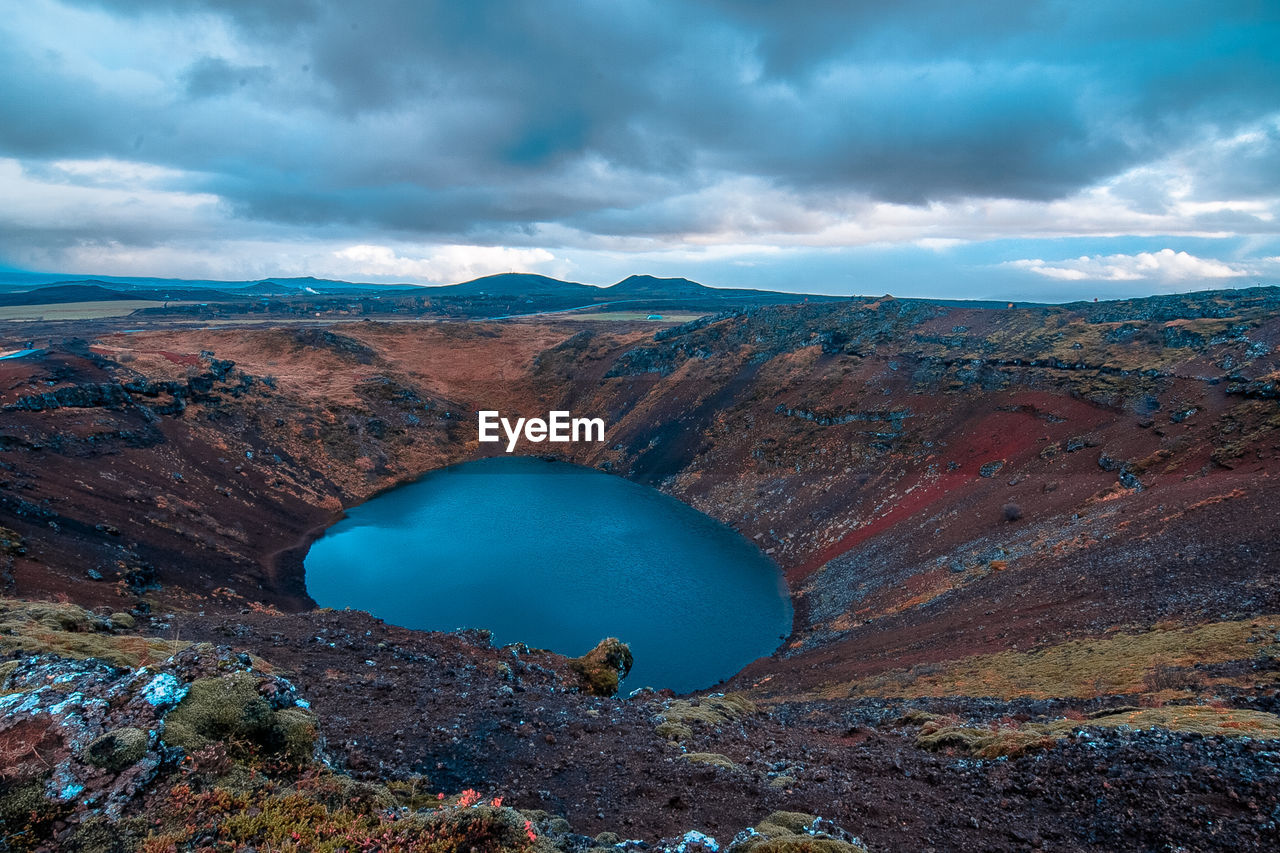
[600, 669]
[116, 750]
[794, 832]
[230, 710]
[998, 741]
[713, 758]
[317, 814]
[46, 627]
[677, 720]
[1122, 663]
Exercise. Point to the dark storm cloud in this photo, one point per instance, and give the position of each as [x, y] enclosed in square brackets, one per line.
[212, 76]
[44, 112]
[273, 16]
[457, 118]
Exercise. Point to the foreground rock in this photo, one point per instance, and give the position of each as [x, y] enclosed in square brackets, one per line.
[205, 749]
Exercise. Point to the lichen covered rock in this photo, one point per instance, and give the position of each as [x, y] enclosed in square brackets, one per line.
[600, 669]
[231, 708]
[117, 749]
[794, 832]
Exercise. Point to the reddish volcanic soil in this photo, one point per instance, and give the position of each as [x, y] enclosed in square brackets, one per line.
[870, 449]
[937, 483]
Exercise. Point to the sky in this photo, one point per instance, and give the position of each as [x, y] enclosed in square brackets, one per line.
[1013, 150]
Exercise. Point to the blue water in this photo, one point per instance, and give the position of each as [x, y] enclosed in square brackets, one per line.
[19, 354]
[558, 557]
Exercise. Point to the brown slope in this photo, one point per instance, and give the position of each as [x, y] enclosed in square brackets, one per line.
[871, 448]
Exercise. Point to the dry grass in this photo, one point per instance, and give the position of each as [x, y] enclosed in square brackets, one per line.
[997, 740]
[629, 316]
[80, 310]
[1122, 663]
[712, 758]
[793, 832]
[937, 736]
[677, 720]
[40, 627]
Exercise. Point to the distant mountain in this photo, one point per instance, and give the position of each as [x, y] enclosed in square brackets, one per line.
[25, 281]
[681, 291]
[310, 284]
[86, 291]
[539, 291]
[630, 288]
[646, 285]
[270, 288]
[189, 294]
[517, 284]
[94, 290]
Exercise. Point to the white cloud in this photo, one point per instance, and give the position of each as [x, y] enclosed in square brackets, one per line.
[101, 197]
[445, 264]
[1165, 265]
[938, 244]
[200, 257]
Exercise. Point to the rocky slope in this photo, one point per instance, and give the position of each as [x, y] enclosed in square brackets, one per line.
[1058, 510]
[348, 734]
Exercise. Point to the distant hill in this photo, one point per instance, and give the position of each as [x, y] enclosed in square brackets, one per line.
[637, 286]
[92, 290]
[87, 291]
[633, 288]
[24, 282]
[516, 284]
[270, 288]
[535, 293]
[309, 284]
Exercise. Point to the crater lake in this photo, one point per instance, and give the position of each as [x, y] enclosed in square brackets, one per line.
[559, 557]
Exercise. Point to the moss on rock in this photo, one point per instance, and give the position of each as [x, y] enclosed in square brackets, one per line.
[600, 669]
[230, 709]
[11, 543]
[784, 823]
[116, 750]
[713, 758]
[101, 835]
[1013, 741]
[803, 844]
[674, 722]
[25, 813]
[7, 668]
[40, 627]
[795, 832]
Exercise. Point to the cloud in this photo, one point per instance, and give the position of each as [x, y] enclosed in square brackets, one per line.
[1165, 265]
[212, 76]
[666, 126]
[75, 202]
[414, 103]
[445, 264]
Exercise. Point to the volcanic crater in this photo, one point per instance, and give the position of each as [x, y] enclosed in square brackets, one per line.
[1033, 554]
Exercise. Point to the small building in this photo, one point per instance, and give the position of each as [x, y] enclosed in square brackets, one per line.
[654, 317]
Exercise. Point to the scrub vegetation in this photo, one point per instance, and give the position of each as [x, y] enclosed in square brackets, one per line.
[1008, 740]
[1162, 659]
[37, 627]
